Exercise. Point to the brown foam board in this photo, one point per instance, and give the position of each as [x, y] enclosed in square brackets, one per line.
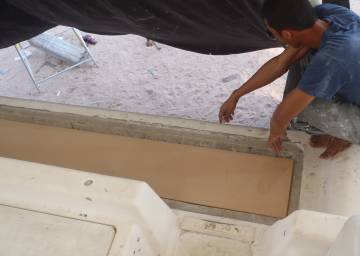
[211, 177]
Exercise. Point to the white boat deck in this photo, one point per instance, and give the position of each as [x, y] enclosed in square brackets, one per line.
[46, 210]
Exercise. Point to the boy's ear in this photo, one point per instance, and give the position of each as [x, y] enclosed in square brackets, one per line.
[287, 34]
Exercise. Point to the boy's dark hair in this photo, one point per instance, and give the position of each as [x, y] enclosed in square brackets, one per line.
[289, 14]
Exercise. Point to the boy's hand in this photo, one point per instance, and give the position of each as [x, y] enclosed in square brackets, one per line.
[292, 105]
[227, 110]
[277, 134]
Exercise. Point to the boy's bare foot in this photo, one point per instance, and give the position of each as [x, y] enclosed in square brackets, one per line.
[332, 144]
[319, 141]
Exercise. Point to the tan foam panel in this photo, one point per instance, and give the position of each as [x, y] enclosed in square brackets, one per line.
[216, 178]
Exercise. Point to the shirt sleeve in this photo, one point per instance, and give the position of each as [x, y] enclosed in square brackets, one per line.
[324, 10]
[323, 77]
[337, 14]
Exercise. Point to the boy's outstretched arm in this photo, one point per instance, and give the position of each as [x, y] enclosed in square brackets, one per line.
[269, 72]
[293, 104]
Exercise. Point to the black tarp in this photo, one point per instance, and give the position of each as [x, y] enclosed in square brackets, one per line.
[204, 26]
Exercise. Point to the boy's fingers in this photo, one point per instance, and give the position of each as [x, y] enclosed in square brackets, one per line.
[277, 147]
[225, 116]
[279, 142]
[225, 119]
[274, 147]
[276, 144]
[221, 115]
[272, 144]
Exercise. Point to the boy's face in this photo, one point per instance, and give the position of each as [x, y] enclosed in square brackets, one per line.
[285, 37]
[276, 35]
